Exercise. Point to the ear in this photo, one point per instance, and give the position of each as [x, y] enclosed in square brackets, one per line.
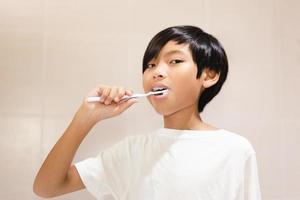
[210, 77]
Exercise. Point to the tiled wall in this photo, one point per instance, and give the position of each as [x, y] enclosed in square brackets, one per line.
[53, 52]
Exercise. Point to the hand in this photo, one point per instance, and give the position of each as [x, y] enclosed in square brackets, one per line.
[109, 106]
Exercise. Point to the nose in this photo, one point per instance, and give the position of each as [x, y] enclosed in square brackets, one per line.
[159, 73]
[158, 76]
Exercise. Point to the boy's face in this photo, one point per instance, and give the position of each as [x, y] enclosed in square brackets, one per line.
[175, 69]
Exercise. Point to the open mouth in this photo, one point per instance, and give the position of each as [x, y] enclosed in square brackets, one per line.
[157, 89]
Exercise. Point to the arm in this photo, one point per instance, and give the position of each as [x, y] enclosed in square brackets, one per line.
[56, 175]
[52, 178]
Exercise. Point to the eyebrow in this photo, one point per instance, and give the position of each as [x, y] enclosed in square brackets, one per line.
[174, 51]
[170, 53]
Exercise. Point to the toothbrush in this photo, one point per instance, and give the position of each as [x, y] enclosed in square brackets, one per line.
[126, 97]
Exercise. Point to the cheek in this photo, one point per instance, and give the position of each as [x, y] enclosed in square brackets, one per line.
[187, 88]
[188, 91]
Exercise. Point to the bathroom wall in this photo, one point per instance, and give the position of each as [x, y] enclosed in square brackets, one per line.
[52, 53]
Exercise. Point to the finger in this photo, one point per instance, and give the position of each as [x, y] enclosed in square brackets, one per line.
[128, 92]
[99, 90]
[105, 93]
[121, 93]
[124, 105]
[111, 96]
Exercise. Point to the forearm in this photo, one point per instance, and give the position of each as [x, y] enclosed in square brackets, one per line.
[54, 170]
[56, 175]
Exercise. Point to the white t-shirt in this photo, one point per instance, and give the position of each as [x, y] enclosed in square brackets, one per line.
[171, 164]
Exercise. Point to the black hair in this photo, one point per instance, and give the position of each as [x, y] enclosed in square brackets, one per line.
[207, 52]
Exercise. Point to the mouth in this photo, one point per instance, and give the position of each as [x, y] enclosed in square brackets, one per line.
[160, 90]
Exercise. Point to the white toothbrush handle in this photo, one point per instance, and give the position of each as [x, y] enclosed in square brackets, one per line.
[93, 99]
[125, 97]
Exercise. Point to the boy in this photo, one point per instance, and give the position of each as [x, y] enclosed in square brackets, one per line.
[187, 159]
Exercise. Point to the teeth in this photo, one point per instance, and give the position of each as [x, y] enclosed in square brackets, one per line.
[158, 88]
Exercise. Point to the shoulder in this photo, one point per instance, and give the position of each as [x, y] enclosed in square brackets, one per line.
[239, 142]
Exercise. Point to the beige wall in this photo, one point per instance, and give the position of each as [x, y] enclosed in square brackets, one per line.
[53, 52]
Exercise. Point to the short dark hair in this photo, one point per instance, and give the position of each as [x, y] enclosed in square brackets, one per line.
[207, 52]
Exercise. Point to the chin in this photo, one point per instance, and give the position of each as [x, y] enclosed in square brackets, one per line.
[163, 112]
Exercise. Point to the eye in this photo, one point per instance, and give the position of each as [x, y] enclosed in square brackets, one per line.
[176, 61]
[150, 65]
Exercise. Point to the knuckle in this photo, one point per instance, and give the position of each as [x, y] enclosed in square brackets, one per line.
[109, 98]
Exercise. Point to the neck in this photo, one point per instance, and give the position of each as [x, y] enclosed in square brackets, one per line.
[185, 119]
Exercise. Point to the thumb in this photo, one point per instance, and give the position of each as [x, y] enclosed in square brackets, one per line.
[127, 104]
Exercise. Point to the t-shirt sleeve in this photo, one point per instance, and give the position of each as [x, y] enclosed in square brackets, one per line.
[250, 187]
[106, 174]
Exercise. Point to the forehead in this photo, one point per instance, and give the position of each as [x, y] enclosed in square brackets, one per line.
[173, 48]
